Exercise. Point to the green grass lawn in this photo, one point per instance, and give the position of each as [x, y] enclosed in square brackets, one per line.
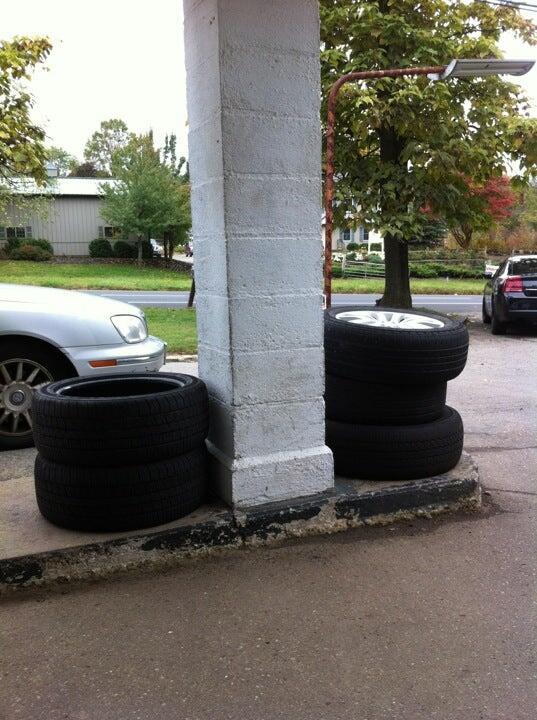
[419, 286]
[176, 327]
[130, 277]
[99, 276]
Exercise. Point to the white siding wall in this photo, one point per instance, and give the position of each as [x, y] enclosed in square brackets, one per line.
[72, 224]
[338, 244]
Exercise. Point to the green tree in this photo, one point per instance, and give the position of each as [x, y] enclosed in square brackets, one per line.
[113, 135]
[406, 144]
[87, 169]
[526, 210]
[22, 151]
[178, 166]
[146, 199]
[63, 161]
[432, 234]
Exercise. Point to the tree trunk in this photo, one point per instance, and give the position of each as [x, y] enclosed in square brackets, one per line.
[140, 251]
[192, 291]
[463, 236]
[167, 246]
[397, 285]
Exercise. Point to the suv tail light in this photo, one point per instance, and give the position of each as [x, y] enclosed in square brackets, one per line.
[513, 284]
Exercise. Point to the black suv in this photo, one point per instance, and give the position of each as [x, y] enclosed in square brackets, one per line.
[511, 293]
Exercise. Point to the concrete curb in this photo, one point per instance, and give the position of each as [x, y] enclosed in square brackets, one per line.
[344, 508]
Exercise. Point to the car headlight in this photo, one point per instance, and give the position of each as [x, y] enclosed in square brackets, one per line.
[131, 328]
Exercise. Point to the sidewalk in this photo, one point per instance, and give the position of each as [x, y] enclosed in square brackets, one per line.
[433, 620]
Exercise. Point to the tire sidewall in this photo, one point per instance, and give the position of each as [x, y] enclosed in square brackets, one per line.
[387, 355]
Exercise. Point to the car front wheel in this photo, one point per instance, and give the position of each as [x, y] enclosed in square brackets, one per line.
[24, 366]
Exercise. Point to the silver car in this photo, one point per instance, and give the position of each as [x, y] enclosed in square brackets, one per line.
[48, 334]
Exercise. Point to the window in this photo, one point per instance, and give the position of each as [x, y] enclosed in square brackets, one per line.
[524, 266]
[363, 234]
[15, 233]
[109, 231]
[346, 235]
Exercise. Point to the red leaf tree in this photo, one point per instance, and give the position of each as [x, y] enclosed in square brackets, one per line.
[486, 205]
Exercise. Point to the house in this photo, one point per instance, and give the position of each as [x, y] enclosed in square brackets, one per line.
[341, 237]
[74, 216]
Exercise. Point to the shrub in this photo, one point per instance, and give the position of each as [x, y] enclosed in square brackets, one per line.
[124, 249]
[423, 270]
[100, 248]
[456, 254]
[14, 244]
[41, 243]
[30, 252]
[147, 250]
[336, 270]
[352, 246]
[464, 271]
[376, 247]
[11, 244]
[374, 258]
[452, 270]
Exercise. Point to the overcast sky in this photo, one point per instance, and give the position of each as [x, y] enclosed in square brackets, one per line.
[110, 58]
[121, 58]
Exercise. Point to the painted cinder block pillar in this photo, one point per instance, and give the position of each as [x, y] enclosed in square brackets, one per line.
[255, 161]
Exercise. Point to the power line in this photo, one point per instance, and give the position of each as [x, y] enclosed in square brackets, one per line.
[517, 3]
[526, 7]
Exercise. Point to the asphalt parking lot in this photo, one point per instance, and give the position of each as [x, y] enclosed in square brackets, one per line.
[428, 620]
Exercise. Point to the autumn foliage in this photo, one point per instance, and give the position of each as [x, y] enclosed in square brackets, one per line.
[488, 204]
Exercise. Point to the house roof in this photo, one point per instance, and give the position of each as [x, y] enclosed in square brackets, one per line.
[61, 187]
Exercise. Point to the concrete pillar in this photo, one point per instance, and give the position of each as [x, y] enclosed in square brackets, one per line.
[255, 160]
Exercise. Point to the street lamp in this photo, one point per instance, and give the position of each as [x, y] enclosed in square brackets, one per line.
[456, 68]
[471, 68]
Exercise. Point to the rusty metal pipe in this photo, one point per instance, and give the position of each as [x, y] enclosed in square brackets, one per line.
[330, 152]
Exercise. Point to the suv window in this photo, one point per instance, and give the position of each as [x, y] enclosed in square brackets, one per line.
[524, 266]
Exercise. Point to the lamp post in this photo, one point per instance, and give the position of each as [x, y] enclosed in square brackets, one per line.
[456, 68]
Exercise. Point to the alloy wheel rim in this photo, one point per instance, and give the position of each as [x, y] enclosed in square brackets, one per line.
[19, 378]
[391, 319]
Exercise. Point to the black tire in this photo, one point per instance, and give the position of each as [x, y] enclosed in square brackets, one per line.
[351, 401]
[484, 313]
[403, 452]
[33, 354]
[387, 355]
[119, 420]
[117, 499]
[497, 327]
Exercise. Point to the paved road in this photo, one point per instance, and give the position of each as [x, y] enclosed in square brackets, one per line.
[428, 620]
[467, 304]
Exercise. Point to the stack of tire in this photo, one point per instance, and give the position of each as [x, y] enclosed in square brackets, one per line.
[386, 378]
[120, 452]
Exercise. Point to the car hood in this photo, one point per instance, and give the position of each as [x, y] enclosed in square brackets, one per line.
[69, 302]
[62, 317]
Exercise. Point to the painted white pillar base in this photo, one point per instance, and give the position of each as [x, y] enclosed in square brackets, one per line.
[245, 482]
[253, 87]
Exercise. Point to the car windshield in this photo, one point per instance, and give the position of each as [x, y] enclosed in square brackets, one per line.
[524, 266]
